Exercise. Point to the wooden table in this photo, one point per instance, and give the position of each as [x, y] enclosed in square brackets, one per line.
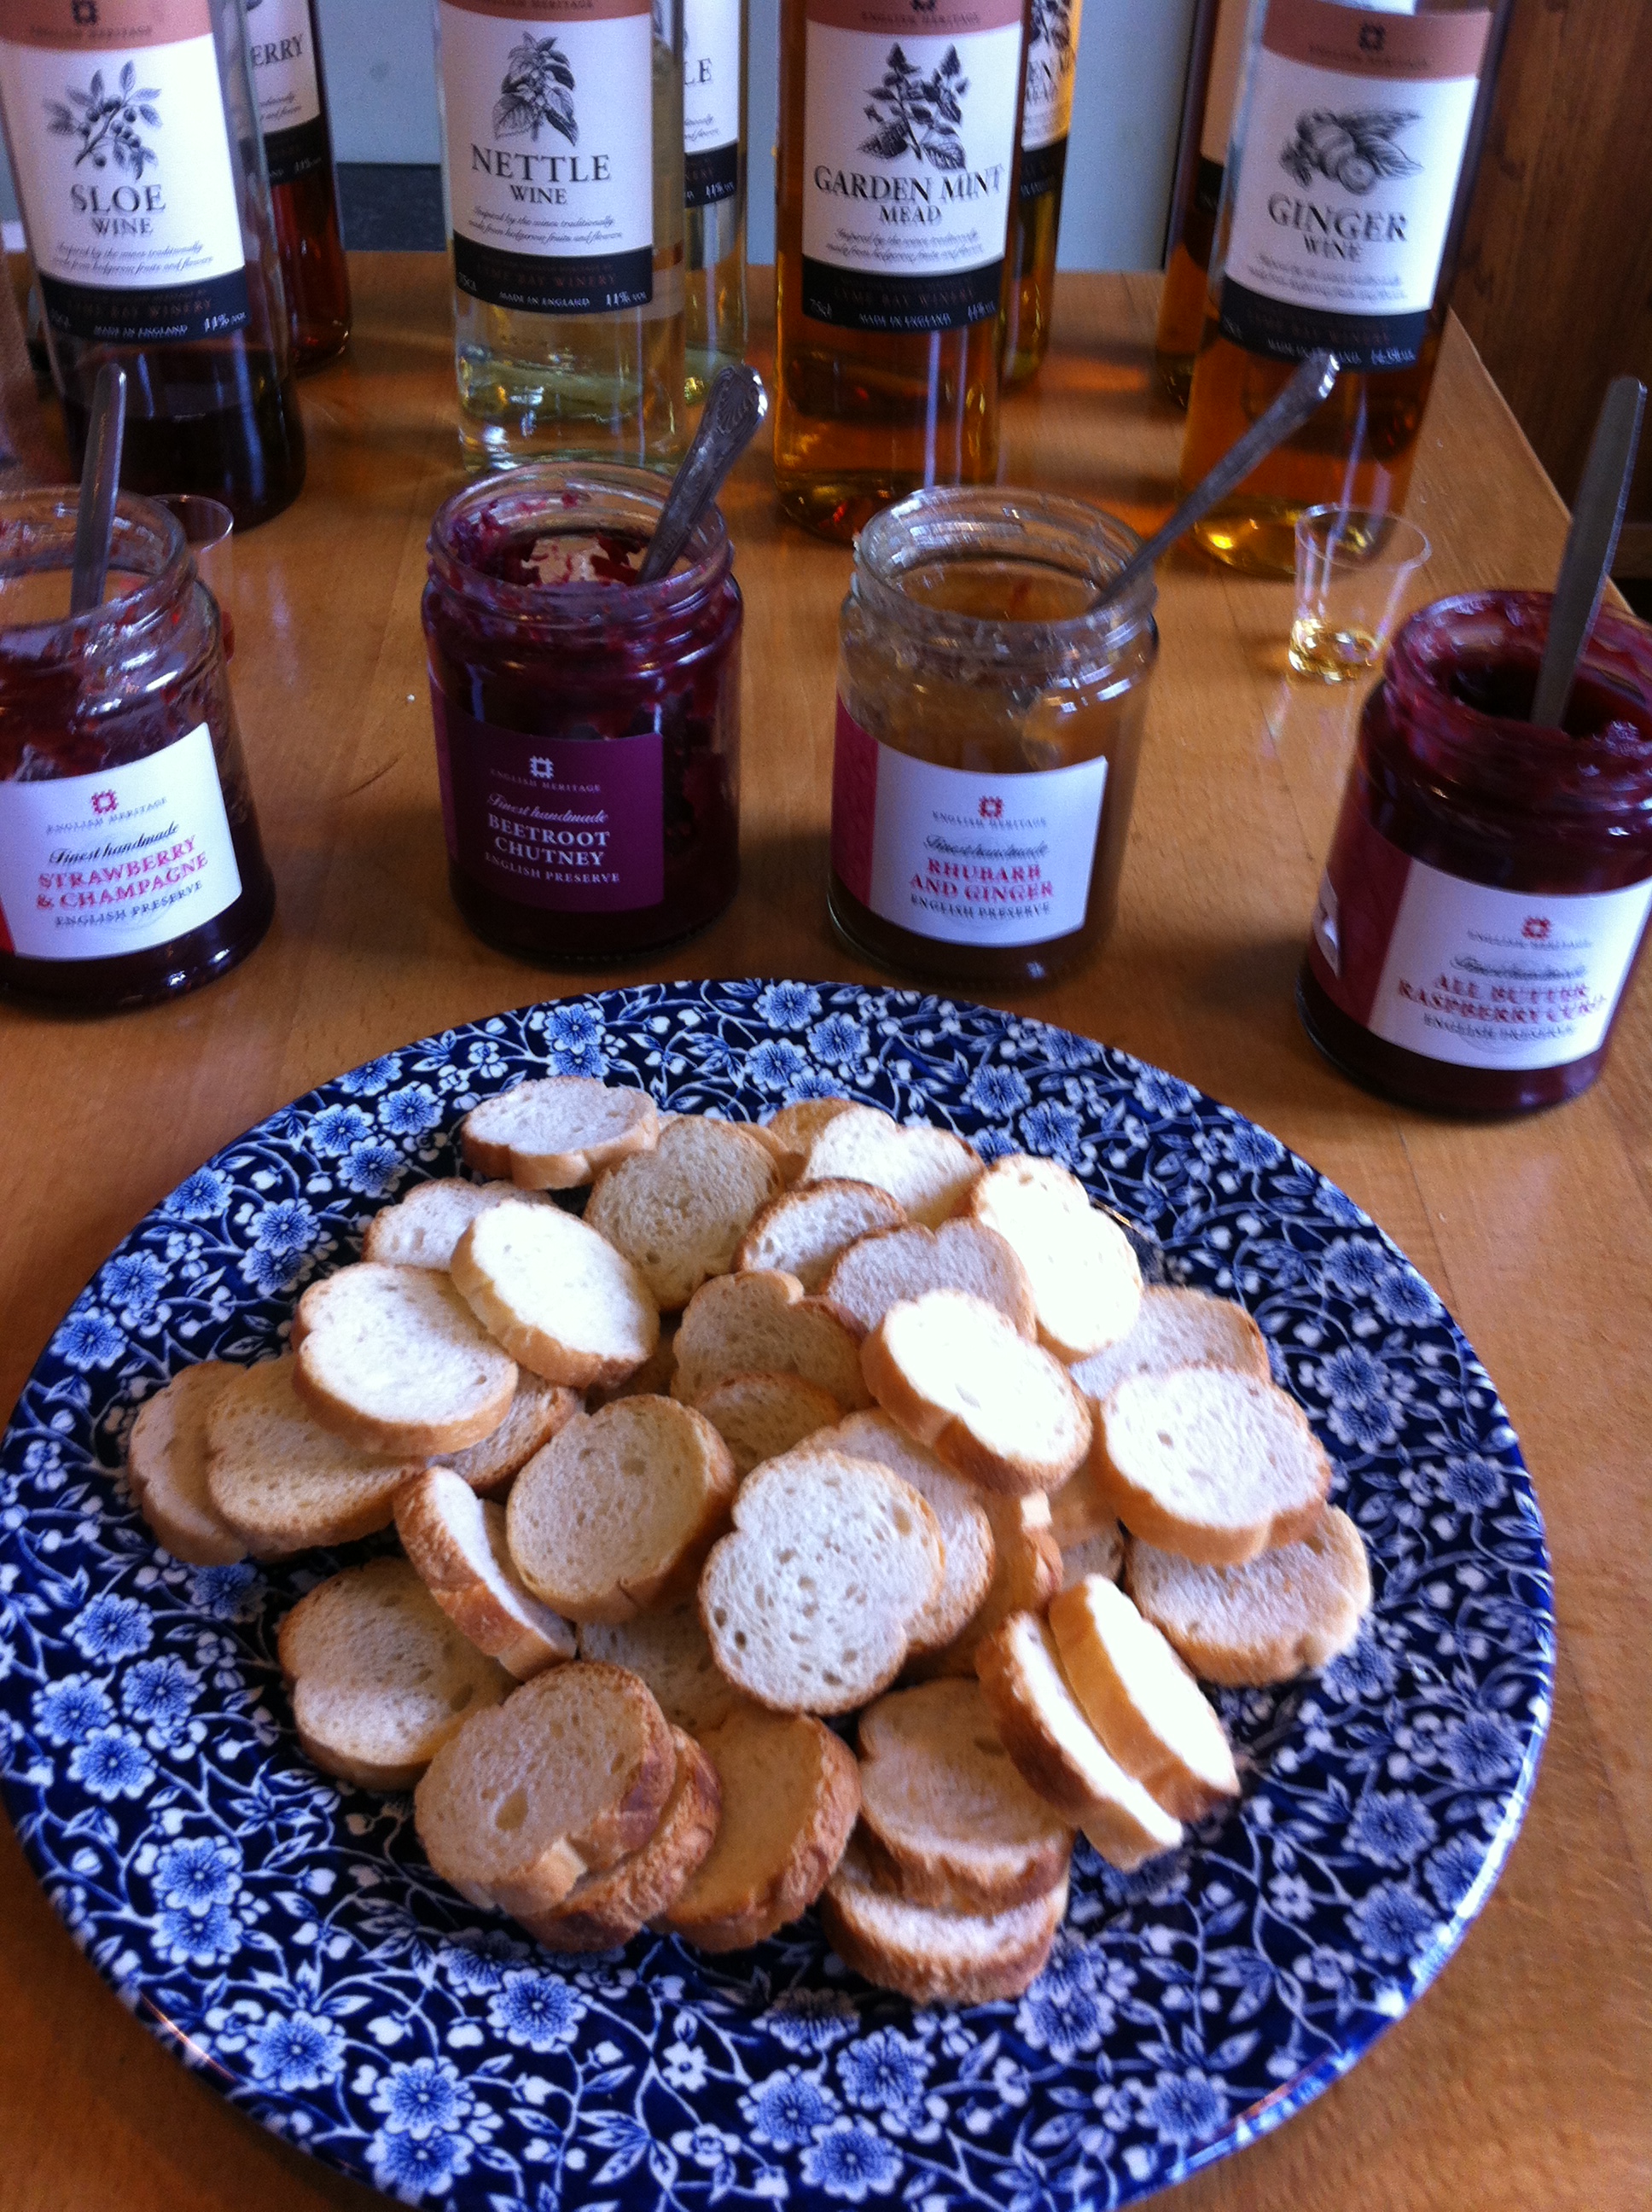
[1525, 2078]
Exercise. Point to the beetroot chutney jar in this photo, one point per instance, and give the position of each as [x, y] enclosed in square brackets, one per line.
[1489, 880]
[587, 727]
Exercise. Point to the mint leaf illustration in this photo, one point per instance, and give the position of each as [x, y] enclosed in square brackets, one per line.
[917, 114]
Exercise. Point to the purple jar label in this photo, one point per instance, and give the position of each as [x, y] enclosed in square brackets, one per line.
[576, 824]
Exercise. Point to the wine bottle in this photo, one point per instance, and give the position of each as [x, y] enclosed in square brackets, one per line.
[1046, 114]
[1347, 185]
[134, 143]
[562, 165]
[287, 75]
[1218, 48]
[715, 43]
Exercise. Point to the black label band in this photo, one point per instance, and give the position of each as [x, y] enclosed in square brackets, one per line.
[1043, 169]
[1282, 332]
[856, 301]
[298, 153]
[711, 176]
[1207, 189]
[169, 314]
[587, 284]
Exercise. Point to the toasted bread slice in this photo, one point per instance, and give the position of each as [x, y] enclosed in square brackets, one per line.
[380, 1677]
[760, 1416]
[455, 1543]
[1043, 1728]
[946, 1818]
[897, 1264]
[607, 1908]
[1177, 1328]
[965, 1525]
[1214, 1465]
[393, 1359]
[539, 1411]
[762, 1324]
[680, 1212]
[790, 1132]
[1141, 1700]
[615, 1516]
[809, 1604]
[1295, 1607]
[567, 1777]
[672, 1653]
[954, 1373]
[1101, 1555]
[790, 1794]
[283, 1484]
[933, 1956]
[423, 1229]
[558, 1296]
[1086, 1284]
[559, 1131]
[167, 1467]
[803, 1232]
[930, 1171]
[1026, 1574]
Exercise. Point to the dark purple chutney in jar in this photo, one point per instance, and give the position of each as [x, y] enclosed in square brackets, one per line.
[587, 727]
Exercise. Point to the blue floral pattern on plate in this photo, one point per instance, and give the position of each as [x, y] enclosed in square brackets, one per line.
[286, 1936]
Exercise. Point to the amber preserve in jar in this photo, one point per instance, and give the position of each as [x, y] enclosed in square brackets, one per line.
[989, 724]
[131, 867]
[587, 726]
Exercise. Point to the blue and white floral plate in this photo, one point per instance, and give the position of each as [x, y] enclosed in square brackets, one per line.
[286, 1937]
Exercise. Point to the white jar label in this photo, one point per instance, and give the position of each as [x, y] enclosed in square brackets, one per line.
[1356, 127]
[281, 38]
[909, 144]
[712, 63]
[115, 117]
[92, 866]
[548, 122]
[966, 857]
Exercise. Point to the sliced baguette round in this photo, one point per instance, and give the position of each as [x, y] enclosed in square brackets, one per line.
[455, 1543]
[1177, 1328]
[422, 1229]
[539, 1411]
[1080, 1509]
[282, 1483]
[1293, 1608]
[1086, 1284]
[1026, 1574]
[762, 1324]
[652, 1380]
[790, 1794]
[392, 1359]
[897, 1264]
[166, 1459]
[604, 1909]
[760, 1416]
[380, 1677]
[965, 1524]
[954, 1374]
[558, 1132]
[558, 1296]
[679, 1212]
[933, 1956]
[672, 1654]
[803, 1232]
[1214, 1465]
[930, 1171]
[790, 1132]
[1141, 1700]
[1102, 1554]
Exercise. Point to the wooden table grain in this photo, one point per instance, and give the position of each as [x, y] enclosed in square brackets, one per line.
[1525, 2077]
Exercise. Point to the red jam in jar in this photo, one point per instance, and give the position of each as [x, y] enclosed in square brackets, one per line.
[587, 727]
[1489, 880]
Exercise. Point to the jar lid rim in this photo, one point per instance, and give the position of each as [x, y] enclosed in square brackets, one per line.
[58, 504]
[1612, 633]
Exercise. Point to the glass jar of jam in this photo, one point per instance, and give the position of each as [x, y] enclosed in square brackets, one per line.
[1489, 880]
[989, 722]
[130, 866]
[587, 727]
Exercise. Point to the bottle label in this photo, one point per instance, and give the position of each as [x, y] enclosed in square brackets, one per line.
[116, 120]
[549, 114]
[1355, 134]
[1221, 89]
[1047, 105]
[712, 63]
[574, 824]
[968, 858]
[92, 866]
[281, 38]
[908, 146]
[1461, 972]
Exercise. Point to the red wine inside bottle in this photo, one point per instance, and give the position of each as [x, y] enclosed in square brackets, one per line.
[287, 75]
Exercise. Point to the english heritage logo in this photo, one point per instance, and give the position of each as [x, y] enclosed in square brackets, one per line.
[106, 123]
[917, 114]
[537, 92]
[1355, 150]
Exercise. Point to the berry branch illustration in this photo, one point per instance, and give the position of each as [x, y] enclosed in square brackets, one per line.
[916, 114]
[105, 122]
[536, 90]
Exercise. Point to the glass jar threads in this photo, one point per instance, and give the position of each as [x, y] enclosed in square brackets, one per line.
[989, 724]
[587, 727]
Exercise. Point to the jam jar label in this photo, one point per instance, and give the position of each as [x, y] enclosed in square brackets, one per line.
[908, 145]
[712, 65]
[968, 858]
[1047, 104]
[575, 825]
[1461, 972]
[92, 866]
[281, 38]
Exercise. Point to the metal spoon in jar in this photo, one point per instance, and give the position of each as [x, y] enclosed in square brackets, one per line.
[735, 408]
[1590, 543]
[94, 516]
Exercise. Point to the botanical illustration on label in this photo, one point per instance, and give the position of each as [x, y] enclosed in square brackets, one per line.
[116, 120]
[548, 110]
[1046, 107]
[281, 39]
[1355, 136]
[970, 858]
[712, 63]
[908, 147]
[1221, 90]
[92, 866]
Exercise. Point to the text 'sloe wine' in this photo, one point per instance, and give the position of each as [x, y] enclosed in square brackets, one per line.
[1346, 186]
[1045, 115]
[562, 138]
[303, 191]
[1218, 48]
[896, 176]
[714, 48]
[135, 147]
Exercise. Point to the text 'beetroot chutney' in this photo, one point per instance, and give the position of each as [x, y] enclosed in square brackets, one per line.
[587, 726]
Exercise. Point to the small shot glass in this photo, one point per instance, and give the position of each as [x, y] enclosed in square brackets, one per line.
[209, 531]
[1354, 571]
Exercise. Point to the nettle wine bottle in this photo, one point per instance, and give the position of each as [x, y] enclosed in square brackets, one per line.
[1034, 229]
[562, 147]
[714, 47]
[303, 191]
[134, 144]
[896, 175]
[1346, 190]
[1218, 48]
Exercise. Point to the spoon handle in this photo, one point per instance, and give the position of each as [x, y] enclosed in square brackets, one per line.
[734, 408]
[1590, 543]
[94, 517]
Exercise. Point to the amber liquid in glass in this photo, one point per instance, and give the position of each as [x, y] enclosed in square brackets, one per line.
[1027, 297]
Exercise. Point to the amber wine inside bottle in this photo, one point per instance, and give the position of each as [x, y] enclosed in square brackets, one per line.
[1206, 124]
[303, 190]
[1035, 228]
[714, 47]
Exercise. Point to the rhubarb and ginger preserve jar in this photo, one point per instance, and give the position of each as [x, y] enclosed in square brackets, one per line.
[1490, 879]
[587, 726]
[131, 868]
[989, 724]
